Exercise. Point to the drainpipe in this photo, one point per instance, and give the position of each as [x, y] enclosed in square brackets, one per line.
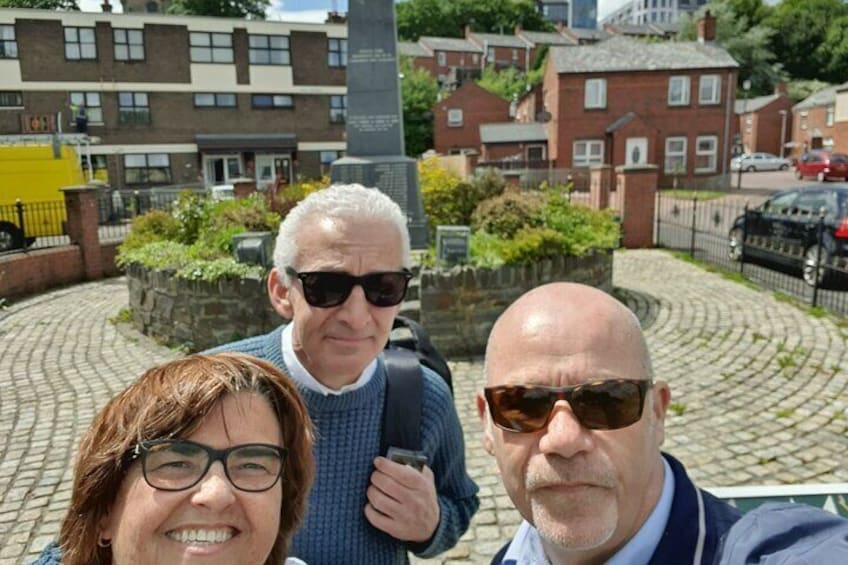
[727, 117]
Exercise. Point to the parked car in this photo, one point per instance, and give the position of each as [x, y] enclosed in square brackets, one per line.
[784, 229]
[822, 165]
[751, 162]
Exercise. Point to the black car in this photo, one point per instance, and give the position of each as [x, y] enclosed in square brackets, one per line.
[784, 229]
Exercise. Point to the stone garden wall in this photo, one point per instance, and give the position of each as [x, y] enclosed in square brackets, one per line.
[457, 306]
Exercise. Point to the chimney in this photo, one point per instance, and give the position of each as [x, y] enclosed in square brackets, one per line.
[707, 28]
[334, 17]
[467, 30]
[518, 29]
[780, 87]
[106, 7]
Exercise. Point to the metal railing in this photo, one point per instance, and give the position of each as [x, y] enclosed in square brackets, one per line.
[702, 230]
[32, 225]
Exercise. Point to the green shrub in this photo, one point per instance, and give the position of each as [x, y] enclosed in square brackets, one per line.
[166, 255]
[504, 215]
[584, 229]
[532, 244]
[190, 212]
[156, 225]
[221, 268]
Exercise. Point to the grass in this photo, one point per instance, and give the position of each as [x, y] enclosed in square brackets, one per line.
[124, 316]
[677, 407]
[723, 273]
[785, 412]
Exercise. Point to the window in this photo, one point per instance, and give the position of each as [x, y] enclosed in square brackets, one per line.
[709, 89]
[515, 55]
[214, 100]
[588, 152]
[147, 168]
[442, 58]
[328, 157]
[133, 108]
[129, 44]
[706, 149]
[337, 53]
[490, 55]
[338, 109]
[828, 117]
[10, 99]
[269, 50]
[596, 93]
[272, 101]
[211, 47]
[80, 43]
[678, 91]
[455, 117]
[93, 108]
[675, 155]
[8, 45]
[475, 58]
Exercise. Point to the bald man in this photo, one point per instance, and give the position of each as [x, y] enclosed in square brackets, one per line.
[575, 419]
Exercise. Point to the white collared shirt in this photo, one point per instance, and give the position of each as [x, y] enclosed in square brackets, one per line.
[300, 375]
[526, 547]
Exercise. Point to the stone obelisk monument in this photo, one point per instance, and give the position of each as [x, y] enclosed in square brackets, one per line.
[374, 124]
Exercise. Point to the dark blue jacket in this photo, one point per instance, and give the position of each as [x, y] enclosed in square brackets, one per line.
[783, 533]
[695, 527]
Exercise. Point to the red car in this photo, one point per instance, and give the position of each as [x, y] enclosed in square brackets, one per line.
[822, 165]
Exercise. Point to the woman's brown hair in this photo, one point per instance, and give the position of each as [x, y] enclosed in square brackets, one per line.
[171, 401]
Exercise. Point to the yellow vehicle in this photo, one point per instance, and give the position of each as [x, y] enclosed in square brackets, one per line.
[34, 174]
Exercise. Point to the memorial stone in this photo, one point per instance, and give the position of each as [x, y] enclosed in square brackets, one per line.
[374, 123]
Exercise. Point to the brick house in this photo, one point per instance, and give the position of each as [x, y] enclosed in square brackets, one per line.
[179, 99]
[765, 122]
[625, 101]
[502, 51]
[840, 134]
[814, 123]
[524, 144]
[457, 118]
[457, 60]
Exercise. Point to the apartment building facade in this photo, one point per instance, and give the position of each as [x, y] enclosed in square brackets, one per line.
[178, 99]
[651, 11]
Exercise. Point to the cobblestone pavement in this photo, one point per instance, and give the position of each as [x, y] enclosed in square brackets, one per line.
[758, 385]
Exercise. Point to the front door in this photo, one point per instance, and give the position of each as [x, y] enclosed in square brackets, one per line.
[272, 168]
[636, 151]
[221, 169]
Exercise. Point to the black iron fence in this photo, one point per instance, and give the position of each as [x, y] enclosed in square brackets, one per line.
[720, 232]
[38, 225]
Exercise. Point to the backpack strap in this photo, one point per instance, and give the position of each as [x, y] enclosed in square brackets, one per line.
[404, 397]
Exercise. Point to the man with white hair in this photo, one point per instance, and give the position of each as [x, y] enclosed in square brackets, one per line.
[341, 269]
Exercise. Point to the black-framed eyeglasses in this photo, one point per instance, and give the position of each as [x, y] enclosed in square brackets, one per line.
[179, 464]
[326, 289]
[600, 405]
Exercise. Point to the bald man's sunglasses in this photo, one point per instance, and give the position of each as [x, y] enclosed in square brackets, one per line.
[326, 289]
[600, 405]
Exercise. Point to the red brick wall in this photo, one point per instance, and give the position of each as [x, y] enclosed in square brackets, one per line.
[462, 59]
[478, 107]
[764, 134]
[816, 118]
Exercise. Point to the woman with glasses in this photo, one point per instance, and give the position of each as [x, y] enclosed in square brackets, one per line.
[203, 459]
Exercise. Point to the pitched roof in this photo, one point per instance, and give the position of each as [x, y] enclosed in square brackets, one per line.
[496, 40]
[633, 29]
[824, 97]
[753, 104]
[547, 38]
[413, 49]
[621, 53]
[583, 33]
[449, 44]
[513, 132]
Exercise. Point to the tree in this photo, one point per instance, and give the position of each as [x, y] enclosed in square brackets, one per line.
[448, 18]
[252, 9]
[41, 4]
[419, 92]
[800, 27]
[833, 51]
[749, 45]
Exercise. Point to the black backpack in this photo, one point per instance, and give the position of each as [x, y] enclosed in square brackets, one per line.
[404, 357]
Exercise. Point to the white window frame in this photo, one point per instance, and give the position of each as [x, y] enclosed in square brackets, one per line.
[582, 154]
[828, 115]
[685, 83]
[442, 58]
[678, 155]
[710, 155]
[93, 102]
[713, 83]
[595, 94]
[455, 117]
[210, 47]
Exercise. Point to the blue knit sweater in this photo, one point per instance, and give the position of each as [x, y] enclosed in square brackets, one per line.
[348, 430]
